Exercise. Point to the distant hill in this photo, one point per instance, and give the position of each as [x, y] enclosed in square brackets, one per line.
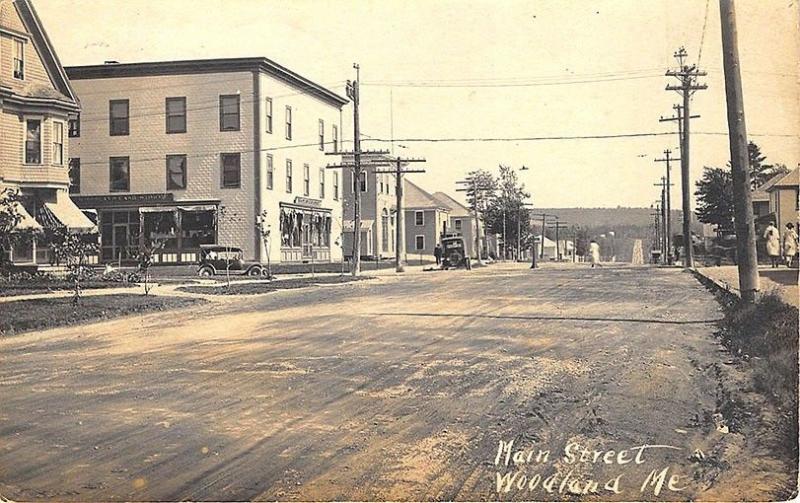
[608, 217]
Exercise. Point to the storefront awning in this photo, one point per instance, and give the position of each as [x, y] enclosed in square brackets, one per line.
[366, 225]
[27, 222]
[198, 207]
[64, 213]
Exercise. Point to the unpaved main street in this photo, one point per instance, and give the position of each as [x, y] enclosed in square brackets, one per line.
[397, 388]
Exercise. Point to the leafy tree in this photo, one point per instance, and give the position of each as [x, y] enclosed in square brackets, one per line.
[506, 210]
[715, 198]
[74, 249]
[10, 218]
[760, 172]
[480, 188]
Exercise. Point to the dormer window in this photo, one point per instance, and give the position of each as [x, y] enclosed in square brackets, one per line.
[19, 59]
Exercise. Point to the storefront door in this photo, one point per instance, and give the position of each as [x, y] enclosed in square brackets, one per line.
[121, 242]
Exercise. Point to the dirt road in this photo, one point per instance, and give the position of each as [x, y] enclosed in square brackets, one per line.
[399, 388]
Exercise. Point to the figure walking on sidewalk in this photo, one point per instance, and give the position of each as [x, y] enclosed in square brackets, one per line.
[437, 254]
[594, 253]
[789, 244]
[773, 237]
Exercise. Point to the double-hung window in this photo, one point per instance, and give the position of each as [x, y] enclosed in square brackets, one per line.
[119, 179]
[268, 109]
[335, 185]
[176, 172]
[231, 171]
[33, 141]
[306, 180]
[229, 112]
[176, 115]
[335, 138]
[322, 183]
[288, 122]
[321, 134]
[289, 176]
[19, 59]
[419, 218]
[119, 117]
[58, 143]
[270, 172]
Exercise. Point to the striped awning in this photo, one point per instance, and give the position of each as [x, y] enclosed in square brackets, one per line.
[27, 222]
[63, 213]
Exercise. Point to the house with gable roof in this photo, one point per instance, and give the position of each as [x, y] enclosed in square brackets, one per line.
[37, 103]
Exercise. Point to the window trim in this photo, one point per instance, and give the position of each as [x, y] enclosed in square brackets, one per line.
[416, 242]
[77, 121]
[289, 121]
[458, 224]
[419, 222]
[335, 137]
[25, 141]
[53, 143]
[306, 180]
[72, 164]
[289, 176]
[222, 157]
[335, 185]
[238, 112]
[185, 171]
[18, 42]
[269, 178]
[268, 114]
[321, 134]
[111, 118]
[111, 167]
[167, 115]
[322, 183]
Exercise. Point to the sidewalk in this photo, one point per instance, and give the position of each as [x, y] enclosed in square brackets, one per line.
[782, 280]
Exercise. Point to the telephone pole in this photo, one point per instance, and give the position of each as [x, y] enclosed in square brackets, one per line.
[366, 159]
[737, 135]
[687, 76]
[476, 194]
[353, 94]
[664, 236]
[400, 168]
[667, 207]
[559, 225]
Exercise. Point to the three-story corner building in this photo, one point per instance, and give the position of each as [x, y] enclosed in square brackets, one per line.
[193, 152]
[36, 102]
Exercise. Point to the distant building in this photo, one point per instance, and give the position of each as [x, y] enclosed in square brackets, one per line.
[784, 198]
[461, 222]
[426, 220]
[36, 103]
[192, 152]
[378, 213]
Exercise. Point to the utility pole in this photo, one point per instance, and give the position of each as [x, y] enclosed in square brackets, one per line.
[664, 214]
[737, 135]
[544, 217]
[398, 171]
[353, 94]
[667, 208]
[687, 76]
[366, 159]
[476, 194]
[559, 225]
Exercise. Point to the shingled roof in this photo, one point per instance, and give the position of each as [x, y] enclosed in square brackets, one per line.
[456, 209]
[418, 198]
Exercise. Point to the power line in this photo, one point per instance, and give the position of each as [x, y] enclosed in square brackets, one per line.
[525, 84]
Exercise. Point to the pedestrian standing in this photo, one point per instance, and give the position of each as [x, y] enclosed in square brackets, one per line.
[594, 253]
[437, 253]
[789, 244]
[773, 237]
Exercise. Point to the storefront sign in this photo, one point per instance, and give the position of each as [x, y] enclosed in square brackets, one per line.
[307, 201]
[122, 199]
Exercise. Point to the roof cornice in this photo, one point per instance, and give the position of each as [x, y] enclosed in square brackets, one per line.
[200, 66]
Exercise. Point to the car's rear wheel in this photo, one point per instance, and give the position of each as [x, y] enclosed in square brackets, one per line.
[205, 272]
[254, 271]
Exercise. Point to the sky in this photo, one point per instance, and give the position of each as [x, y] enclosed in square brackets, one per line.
[501, 69]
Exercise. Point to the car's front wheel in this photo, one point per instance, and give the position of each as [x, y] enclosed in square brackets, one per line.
[254, 271]
[205, 272]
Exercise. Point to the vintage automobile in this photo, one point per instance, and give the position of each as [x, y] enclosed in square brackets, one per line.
[219, 259]
[454, 253]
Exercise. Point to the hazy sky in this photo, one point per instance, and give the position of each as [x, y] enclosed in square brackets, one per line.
[490, 69]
